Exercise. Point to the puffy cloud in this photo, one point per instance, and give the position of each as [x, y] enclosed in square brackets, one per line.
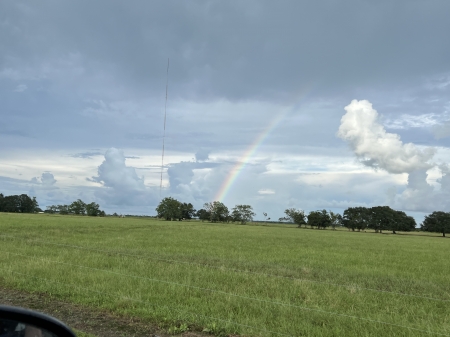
[124, 187]
[377, 148]
[193, 180]
[46, 180]
[113, 172]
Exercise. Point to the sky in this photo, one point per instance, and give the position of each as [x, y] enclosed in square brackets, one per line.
[276, 104]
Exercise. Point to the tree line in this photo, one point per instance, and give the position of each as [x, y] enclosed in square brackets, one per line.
[24, 204]
[378, 218]
[78, 207]
[172, 209]
[18, 204]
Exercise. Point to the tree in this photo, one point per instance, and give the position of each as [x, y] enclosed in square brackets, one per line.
[36, 205]
[356, 218]
[51, 209]
[203, 214]
[296, 216]
[18, 204]
[169, 209]
[336, 219]
[437, 222]
[242, 214]
[381, 218]
[320, 219]
[11, 204]
[63, 209]
[93, 209]
[402, 222]
[78, 207]
[217, 210]
[187, 211]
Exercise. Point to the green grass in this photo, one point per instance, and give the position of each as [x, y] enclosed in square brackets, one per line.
[82, 334]
[225, 278]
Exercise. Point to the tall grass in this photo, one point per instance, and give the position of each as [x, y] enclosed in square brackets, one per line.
[225, 279]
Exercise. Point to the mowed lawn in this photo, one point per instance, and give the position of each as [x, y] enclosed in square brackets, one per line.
[234, 279]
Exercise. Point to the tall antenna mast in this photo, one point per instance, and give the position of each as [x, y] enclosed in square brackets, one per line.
[164, 132]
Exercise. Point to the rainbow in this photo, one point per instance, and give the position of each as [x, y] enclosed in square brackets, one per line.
[230, 179]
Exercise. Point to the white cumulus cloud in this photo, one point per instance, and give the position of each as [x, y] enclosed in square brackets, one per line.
[377, 148]
[113, 172]
[124, 186]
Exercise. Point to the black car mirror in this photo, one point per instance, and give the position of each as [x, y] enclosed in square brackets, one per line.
[19, 322]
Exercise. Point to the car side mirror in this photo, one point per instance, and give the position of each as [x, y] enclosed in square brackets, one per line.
[19, 322]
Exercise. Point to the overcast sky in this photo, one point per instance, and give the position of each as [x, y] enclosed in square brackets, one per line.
[306, 104]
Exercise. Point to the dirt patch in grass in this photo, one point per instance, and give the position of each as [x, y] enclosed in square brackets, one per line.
[97, 322]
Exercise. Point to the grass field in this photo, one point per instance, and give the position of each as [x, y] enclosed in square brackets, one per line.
[234, 279]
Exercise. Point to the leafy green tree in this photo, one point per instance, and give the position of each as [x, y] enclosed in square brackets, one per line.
[187, 211]
[78, 207]
[319, 219]
[203, 214]
[11, 204]
[385, 218]
[242, 214]
[296, 216]
[169, 209]
[217, 210]
[93, 209]
[356, 218]
[26, 204]
[380, 218]
[437, 222]
[402, 222]
[18, 204]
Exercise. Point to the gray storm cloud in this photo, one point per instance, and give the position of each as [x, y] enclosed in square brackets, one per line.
[377, 148]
